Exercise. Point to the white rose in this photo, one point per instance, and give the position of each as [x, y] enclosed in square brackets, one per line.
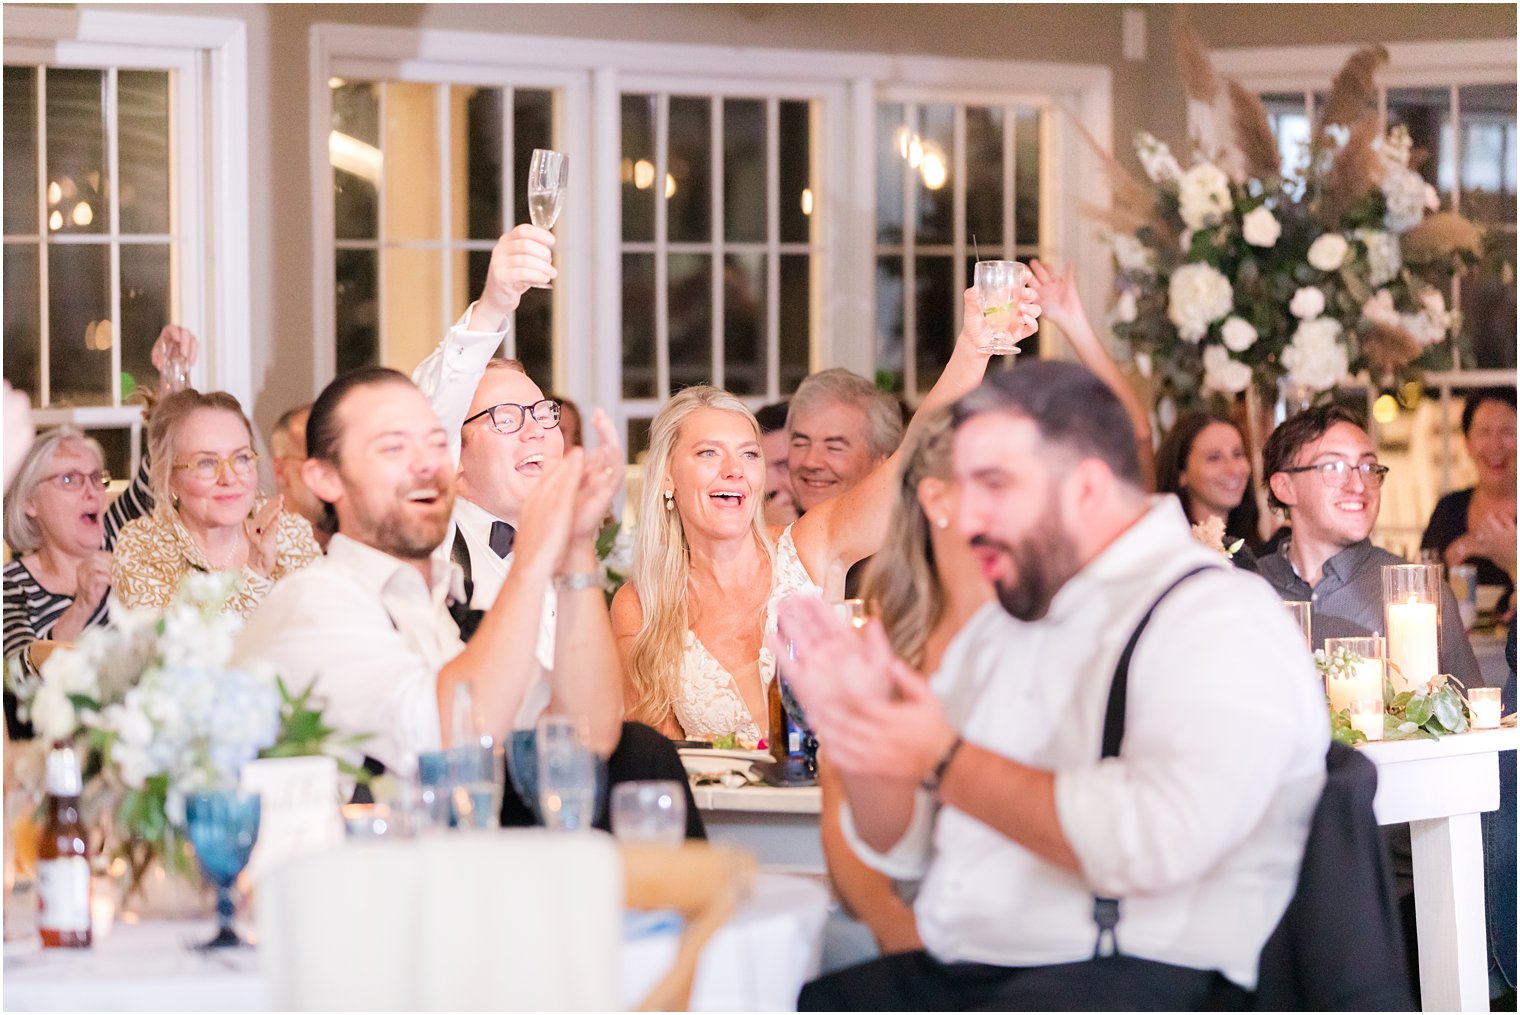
[1316, 358]
[132, 764]
[1197, 297]
[1404, 191]
[1238, 334]
[1132, 256]
[73, 672]
[1308, 303]
[1431, 323]
[52, 713]
[1384, 259]
[1379, 309]
[1223, 373]
[1261, 228]
[1204, 195]
[1328, 252]
[1125, 309]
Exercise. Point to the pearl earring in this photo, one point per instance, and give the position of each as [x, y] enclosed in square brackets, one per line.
[943, 523]
[670, 500]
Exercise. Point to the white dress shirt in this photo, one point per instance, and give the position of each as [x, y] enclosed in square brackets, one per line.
[1198, 826]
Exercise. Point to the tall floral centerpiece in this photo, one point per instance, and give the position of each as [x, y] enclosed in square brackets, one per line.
[1233, 274]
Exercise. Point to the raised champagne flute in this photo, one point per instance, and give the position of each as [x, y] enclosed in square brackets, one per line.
[999, 285]
[548, 175]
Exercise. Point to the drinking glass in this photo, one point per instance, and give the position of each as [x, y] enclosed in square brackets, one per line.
[223, 828]
[852, 612]
[548, 174]
[999, 284]
[566, 774]
[476, 777]
[1300, 608]
[649, 811]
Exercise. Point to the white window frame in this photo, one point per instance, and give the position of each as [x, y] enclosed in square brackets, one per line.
[209, 168]
[595, 73]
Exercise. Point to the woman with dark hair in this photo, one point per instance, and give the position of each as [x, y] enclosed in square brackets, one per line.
[1478, 524]
[1203, 461]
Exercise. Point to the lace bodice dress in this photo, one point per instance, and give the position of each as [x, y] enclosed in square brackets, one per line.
[710, 705]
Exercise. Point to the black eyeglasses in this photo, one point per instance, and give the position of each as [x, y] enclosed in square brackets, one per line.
[1334, 474]
[509, 417]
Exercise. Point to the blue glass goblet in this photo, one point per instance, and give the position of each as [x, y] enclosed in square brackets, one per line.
[223, 828]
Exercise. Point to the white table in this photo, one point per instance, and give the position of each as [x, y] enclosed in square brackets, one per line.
[757, 961]
[779, 825]
[1440, 787]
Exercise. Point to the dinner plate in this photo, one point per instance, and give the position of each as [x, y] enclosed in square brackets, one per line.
[724, 752]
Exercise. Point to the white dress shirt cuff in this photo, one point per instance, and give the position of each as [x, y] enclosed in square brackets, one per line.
[908, 860]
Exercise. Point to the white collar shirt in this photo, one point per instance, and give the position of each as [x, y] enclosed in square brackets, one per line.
[1198, 826]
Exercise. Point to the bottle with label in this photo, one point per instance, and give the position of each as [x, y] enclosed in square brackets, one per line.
[63, 858]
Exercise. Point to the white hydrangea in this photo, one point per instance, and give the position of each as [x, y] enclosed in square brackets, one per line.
[1384, 258]
[1197, 297]
[1132, 256]
[1430, 324]
[1317, 359]
[1307, 304]
[51, 713]
[1204, 195]
[1404, 191]
[1328, 252]
[1157, 159]
[1125, 308]
[1224, 373]
[1261, 228]
[1238, 334]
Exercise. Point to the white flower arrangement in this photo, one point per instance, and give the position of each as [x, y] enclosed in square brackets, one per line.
[1199, 296]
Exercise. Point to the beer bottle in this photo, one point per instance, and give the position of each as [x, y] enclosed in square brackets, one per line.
[63, 860]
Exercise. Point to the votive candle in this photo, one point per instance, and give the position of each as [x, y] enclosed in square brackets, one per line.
[1367, 717]
[1486, 708]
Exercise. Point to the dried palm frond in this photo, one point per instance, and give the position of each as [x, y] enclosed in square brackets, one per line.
[1386, 347]
[1354, 90]
[1253, 133]
[1193, 64]
[1440, 237]
[1356, 169]
[1134, 200]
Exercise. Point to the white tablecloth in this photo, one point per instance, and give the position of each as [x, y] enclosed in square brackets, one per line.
[758, 961]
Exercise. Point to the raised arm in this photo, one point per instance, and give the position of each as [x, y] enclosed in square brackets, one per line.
[851, 527]
[1063, 308]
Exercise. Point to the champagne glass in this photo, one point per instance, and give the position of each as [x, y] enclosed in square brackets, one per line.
[548, 174]
[999, 285]
[223, 828]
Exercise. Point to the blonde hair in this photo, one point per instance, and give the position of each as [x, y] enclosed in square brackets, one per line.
[662, 558]
[21, 530]
[164, 427]
[901, 581]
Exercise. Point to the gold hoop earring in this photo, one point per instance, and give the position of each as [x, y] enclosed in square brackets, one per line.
[670, 500]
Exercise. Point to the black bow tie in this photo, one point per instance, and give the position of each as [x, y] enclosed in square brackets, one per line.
[502, 538]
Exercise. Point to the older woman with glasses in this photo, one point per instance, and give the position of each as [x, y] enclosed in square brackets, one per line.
[207, 515]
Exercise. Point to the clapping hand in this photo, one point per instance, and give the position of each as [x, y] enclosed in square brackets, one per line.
[1057, 295]
[974, 335]
[262, 531]
[174, 353]
[601, 478]
[1493, 537]
[520, 260]
[548, 514]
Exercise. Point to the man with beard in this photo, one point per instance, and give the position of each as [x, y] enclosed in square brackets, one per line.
[370, 624]
[992, 784]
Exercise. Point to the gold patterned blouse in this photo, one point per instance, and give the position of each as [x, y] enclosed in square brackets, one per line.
[153, 554]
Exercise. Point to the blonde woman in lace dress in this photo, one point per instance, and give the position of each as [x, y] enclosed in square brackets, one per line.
[207, 514]
[708, 573]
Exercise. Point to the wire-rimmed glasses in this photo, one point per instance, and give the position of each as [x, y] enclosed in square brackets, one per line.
[1334, 474]
[75, 480]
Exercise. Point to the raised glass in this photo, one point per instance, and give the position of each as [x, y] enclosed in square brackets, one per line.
[999, 285]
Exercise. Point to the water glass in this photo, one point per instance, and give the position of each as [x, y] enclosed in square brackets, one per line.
[566, 774]
[223, 828]
[999, 285]
[1464, 586]
[1300, 608]
[649, 811]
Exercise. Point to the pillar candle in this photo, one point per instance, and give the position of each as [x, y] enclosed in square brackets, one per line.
[1412, 638]
[1365, 680]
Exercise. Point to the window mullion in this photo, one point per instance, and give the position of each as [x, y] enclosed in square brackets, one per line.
[716, 273]
[44, 317]
[443, 100]
[772, 246]
[661, 238]
[508, 195]
[910, 266]
[958, 218]
[381, 187]
[1456, 206]
[113, 195]
[1010, 180]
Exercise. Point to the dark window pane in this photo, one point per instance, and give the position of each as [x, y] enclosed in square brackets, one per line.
[412, 168]
[934, 303]
[796, 172]
[1426, 112]
[796, 320]
[1026, 204]
[116, 442]
[1488, 153]
[76, 151]
[80, 331]
[20, 154]
[355, 310]
[534, 336]
[744, 324]
[889, 321]
[688, 184]
[640, 377]
[892, 144]
[354, 148]
[638, 438]
[637, 168]
[532, 127]
[1488, 303]
[933, 188]
[477, 265]
[690, 309]
[744, 170]
[144, 310]
[482, 213]
[984, 178]
[143, 150]
[23, 327]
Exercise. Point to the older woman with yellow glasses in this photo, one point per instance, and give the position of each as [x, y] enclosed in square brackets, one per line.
[207, 514]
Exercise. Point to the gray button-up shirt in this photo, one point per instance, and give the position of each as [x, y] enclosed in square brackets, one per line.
[1348, 602]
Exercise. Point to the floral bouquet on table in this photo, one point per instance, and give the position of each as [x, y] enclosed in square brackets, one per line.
[1428, 713]
[1234, 274]
[158, 712]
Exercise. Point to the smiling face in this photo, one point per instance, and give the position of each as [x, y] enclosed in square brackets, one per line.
[717, 474]
[69, 520]
[497, 470]
[1217, 471]
[830, 451]
[780, 501]
[1334, 515]
[1491, 443]
[393, 482]
[222, 501]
